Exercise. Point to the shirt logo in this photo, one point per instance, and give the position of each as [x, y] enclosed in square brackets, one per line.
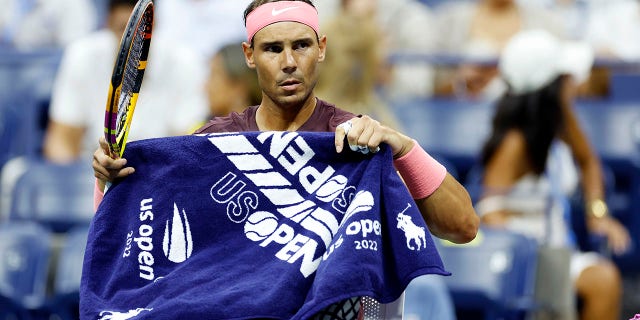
[177, 243]
[275, 12]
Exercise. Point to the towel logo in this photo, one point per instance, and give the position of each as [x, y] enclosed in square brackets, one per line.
[114, 315]
[411, 231]
[303, 194]
[177, 243]
[260, 225]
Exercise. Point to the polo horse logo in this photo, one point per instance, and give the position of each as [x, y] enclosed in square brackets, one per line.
[411, 231]
[114, 315]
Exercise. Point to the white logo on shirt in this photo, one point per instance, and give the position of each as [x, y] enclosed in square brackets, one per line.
[275, 12]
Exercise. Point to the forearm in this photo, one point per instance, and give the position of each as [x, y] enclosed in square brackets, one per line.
[449, 212]
[592, 180]
[443, 202]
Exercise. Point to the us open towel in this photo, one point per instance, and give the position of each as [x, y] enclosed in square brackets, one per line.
[253, 225]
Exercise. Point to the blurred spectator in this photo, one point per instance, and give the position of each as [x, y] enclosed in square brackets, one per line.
[477, 31]
[409, 28]
[614, 28]
[572, 14]
[171, 100]
[406, 28]
[37, 24]
[528, 160]
[204, 25]
[354, 61]
[232, 85]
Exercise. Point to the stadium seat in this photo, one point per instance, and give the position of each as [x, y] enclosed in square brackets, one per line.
[493, 277]
[449, 128]
[66, 287]
[26, 79]
[25, 256]
[57, 196]
[624, 86]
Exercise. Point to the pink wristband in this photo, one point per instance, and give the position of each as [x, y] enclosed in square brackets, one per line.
[98, 195]
[421, 173]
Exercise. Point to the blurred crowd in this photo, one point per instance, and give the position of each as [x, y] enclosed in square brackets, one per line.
[471, 32]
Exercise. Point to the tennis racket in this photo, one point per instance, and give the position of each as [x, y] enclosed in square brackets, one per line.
[127, 75]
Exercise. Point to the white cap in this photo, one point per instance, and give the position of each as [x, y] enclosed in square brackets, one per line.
[532, 59]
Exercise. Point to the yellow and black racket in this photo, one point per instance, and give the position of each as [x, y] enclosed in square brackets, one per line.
[127, 75]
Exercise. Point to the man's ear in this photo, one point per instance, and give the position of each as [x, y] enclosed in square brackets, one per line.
[248, 55]
[322, 44]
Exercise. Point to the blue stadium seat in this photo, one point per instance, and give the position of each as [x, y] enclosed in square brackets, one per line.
[55, 195]
[493, 277]
[449, 128]
[624, 86]
[26, 79]
[66, 287]
[25, 255]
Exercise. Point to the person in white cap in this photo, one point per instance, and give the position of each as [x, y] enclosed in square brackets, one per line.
[534, 121]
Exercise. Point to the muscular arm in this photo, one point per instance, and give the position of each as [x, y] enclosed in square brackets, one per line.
[448, 211]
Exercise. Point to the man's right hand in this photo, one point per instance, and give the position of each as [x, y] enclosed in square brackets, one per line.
[105, 168]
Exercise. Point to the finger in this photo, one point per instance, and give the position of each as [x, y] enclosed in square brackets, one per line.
[100, 172]
[375, 141]
[125, 172]
[354, 134]
[618, 240]
[339, 138]
[104, 146]
[372, 135]
[365, 136]
[624, 242]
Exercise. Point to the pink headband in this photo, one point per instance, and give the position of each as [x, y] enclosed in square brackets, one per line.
[272, 12]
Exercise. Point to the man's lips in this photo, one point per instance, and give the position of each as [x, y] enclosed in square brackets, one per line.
[290, 84]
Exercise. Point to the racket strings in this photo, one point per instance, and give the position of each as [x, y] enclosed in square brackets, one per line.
[132, 73]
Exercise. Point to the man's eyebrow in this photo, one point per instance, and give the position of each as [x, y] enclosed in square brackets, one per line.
[281, 43]
[271, 43]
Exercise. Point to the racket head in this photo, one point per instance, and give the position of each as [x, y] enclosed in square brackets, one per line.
[127, 75]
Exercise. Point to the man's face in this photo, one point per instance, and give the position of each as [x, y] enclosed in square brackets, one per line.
[286, 57]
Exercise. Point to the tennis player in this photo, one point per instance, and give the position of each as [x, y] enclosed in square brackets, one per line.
[285, 48]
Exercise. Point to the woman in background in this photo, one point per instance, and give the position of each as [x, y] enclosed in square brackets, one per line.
[533, 125]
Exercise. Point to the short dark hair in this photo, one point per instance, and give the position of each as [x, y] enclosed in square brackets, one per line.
[256, 3]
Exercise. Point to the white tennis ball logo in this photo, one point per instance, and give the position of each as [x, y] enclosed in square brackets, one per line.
[260, 225]
[332, 188]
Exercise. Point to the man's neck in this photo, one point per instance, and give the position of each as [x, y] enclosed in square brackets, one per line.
[272, 117]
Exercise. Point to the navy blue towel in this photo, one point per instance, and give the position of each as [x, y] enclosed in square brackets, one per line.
[251, 225]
